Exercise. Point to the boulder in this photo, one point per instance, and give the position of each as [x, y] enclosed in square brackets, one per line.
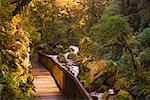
[120, 83]
[71, 55]
[78, 61]
[100, 72]
[124, 95]
[85, 42]
[61, 58]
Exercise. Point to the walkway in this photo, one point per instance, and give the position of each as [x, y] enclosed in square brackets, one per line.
[45, 86]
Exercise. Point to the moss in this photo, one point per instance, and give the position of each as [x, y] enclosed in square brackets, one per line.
[61, 58]
[71, 55]
[120, 83]
[106, 96]
[78, 60]
[124, 95]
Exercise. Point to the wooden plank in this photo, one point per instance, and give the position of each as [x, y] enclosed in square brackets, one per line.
[45, 86]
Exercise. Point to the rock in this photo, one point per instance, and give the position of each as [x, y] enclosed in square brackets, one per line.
[107, 96]
[85, 42]
[111, 91]
[61, 58]
[95, 67]
[124, 95]
[120, 83]
[110, 81]
[78, 61]
[100, 72]
[71, 55]
[103, 88]
[96, 94]
[70, 50]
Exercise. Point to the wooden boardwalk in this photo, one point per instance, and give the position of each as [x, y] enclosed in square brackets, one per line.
[45, 86]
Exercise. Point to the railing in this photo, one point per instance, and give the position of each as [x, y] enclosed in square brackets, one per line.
[69, 85]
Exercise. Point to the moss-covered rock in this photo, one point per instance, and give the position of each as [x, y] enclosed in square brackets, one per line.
[120, 83]
[123, 95]
[71, 55]
[107, 96]
[78, 61]
[85, 42]
[70, 50]
[100, 68]
[100, 73]
[61, 58]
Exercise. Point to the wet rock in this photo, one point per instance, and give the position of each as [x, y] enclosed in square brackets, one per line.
[71, 55]
[69, 50]
[61, 58]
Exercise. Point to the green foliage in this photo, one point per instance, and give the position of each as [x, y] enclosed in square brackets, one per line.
[14, 56]
[143, 54]
[115, 27]
[116, 41]
[53, 25]
[144, 37]
[56, 22]
[140, 91]
[6, 11]
[14, 66]
[88, 48]
[115, 8]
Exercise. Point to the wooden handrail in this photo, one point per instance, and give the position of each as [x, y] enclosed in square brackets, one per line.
[67, 83]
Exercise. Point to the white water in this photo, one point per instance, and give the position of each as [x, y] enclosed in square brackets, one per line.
[76, 49]
[99, 95]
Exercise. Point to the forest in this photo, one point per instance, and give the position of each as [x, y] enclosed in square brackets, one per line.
[113, 37]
